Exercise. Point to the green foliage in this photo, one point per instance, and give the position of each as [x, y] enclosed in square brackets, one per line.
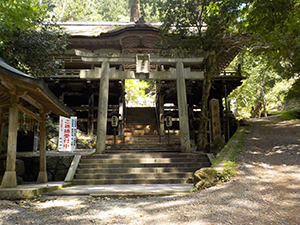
[137, 92]
[19, 15]
[214, 24]
[294, 92]
[150, 9]
[31, 50]
[263, 85]
[205, 178]
[197, 28]
[27, 41]
[291, 115]
[103, 10]
[274, 26]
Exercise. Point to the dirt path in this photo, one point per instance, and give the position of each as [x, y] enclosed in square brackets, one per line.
[265, 191]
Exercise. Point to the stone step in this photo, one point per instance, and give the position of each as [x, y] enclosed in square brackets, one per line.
[141, 132]
[140, 161]
[139, 136]
[130, 181]
[140, 158]
[141, 126]
[150, 155]
[143, 143]
[134, 176]
[128, 150]
[130, 165]
[137, 170]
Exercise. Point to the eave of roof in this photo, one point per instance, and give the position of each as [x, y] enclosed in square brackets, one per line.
[36, 87]
[95, 29]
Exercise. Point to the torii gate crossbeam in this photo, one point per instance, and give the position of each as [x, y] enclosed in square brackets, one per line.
[105, 73]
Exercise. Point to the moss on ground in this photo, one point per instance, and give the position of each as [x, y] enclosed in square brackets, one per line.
[208, 177]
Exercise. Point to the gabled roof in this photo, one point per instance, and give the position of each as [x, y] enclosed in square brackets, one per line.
[31, 89]
[95, 29]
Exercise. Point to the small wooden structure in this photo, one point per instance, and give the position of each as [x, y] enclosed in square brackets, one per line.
[30, 95]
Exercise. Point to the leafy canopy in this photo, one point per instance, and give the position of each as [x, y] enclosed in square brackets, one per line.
[19, 15]
[103, 10]
[274, 27]
[27, 40]
[206, 24]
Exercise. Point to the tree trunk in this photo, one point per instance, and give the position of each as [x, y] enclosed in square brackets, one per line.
[135, 11]
[264, 103]
[202, 136]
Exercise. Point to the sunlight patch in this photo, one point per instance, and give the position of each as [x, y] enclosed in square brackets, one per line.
[63, 203]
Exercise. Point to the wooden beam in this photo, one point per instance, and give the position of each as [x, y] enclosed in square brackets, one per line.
[30, 113]
[11, 88]
[4, 105]
[32, 101]
[158, 75]
[91, 57]
[3, 89]
[13, 82]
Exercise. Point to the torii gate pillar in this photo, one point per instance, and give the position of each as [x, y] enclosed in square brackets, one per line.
[102, 108]
[182, 109]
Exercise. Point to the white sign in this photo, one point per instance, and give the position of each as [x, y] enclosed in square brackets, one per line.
[114, 121]
[142, 63]
[67, 133]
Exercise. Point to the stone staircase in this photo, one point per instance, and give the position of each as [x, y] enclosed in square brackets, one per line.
[141, 131]
[145, 158]
[139, 168]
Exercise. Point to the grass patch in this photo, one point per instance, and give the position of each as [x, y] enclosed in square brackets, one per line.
[221, 155]
[291, 115]
[208, 177]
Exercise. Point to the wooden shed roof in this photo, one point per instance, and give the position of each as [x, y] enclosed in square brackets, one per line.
[35, 93]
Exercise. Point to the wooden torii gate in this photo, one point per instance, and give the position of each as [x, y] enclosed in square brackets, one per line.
[180, 73]
[21, 92]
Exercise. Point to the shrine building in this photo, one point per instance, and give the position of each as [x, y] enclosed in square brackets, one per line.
[101, 56]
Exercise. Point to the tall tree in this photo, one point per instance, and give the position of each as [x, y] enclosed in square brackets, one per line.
[264, 87]
[19, 15]
[209, 27]
[27, 40]
[91, 10]
[32, 50]
[274, 27]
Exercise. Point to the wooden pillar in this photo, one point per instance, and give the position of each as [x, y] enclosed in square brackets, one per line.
[10, 177]
[102, 108]
[121, 117]
[182, 109]
[62, 97]
[191, 121]
[215, 120]
[122, 108]
[1, 126]
[42, 177]
[90, 126]
[161, 111]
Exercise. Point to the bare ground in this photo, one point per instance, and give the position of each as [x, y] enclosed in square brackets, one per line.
[266, 190]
